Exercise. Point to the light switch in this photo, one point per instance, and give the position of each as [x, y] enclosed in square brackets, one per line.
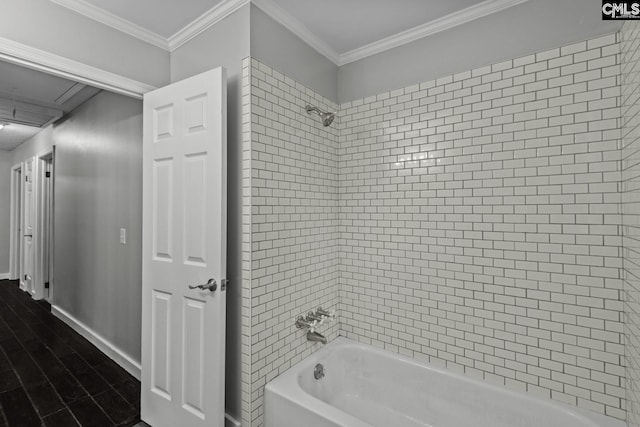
[123, 236]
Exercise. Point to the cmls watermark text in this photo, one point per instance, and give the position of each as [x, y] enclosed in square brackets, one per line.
[620, 10]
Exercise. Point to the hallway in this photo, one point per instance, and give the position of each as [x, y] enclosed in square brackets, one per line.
[50, 376]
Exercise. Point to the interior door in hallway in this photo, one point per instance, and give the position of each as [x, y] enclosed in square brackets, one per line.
[29, 218]
[184, 253]
[43, 232]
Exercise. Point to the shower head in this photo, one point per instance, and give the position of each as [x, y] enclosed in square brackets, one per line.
[327, 118]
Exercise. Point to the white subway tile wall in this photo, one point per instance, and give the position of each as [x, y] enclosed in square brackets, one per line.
[630, 46]
[480, 225]
[294, 225]
[246, 244]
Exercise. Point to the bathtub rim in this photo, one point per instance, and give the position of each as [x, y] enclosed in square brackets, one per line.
[281, 386]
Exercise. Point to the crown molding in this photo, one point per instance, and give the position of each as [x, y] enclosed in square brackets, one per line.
[284, 18]
[100, 15]
[446, 22]
[191, 30]
[36, 59]
[294, 25]
[204, 21]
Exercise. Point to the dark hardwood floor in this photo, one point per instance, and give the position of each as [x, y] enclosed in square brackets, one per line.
[52, 377]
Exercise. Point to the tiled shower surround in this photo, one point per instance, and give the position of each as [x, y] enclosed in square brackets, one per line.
[630, 61]
[479, 223]
[473, 221]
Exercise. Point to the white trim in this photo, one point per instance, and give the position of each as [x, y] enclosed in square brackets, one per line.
[128, 364]
[294, 25]
[204, 21]
[114, 353]
[36, 59]
[4, 276]
[463, 16]
[191, 30]
[229, 421]
[446, 22]
[15, 223]
[39, 184]
[107, 18]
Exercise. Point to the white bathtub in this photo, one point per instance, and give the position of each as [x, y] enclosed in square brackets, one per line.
[367, 387]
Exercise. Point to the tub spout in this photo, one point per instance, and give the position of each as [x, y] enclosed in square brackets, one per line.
[313, 336]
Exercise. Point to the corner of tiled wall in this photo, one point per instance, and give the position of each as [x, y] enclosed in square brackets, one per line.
[630, 60]
[294, 224]
[246, 243]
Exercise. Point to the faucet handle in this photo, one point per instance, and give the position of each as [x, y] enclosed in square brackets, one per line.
[302, 323]
[315, 316]
[324, 313]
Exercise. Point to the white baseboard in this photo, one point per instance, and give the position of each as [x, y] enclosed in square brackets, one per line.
[126, 362]
[117, 355]
[4, 276]
[229, 421]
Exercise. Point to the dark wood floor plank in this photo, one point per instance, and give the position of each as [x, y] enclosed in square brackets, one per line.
[51, 376]
[18, 409]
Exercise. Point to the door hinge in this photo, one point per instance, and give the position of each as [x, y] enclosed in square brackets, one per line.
[46, 285]
[47, 174]
[25, 277]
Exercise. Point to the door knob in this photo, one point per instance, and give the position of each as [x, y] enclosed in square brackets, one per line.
[210, 285]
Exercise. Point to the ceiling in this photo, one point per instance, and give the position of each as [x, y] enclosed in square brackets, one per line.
[342, 30]
[30, 100]
[14, 135]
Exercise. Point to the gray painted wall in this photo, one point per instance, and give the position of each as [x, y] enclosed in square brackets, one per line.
[44, 25]
[277, 47]
[5, 208]
[527, 28]
[98, 190]
[226, 44]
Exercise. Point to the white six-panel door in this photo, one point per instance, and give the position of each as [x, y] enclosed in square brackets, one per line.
[184, 244]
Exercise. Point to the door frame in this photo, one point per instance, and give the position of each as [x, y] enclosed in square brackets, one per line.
[43, 226]
[60, 66]
[47, 62]
[15, 239]
[27, 252]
